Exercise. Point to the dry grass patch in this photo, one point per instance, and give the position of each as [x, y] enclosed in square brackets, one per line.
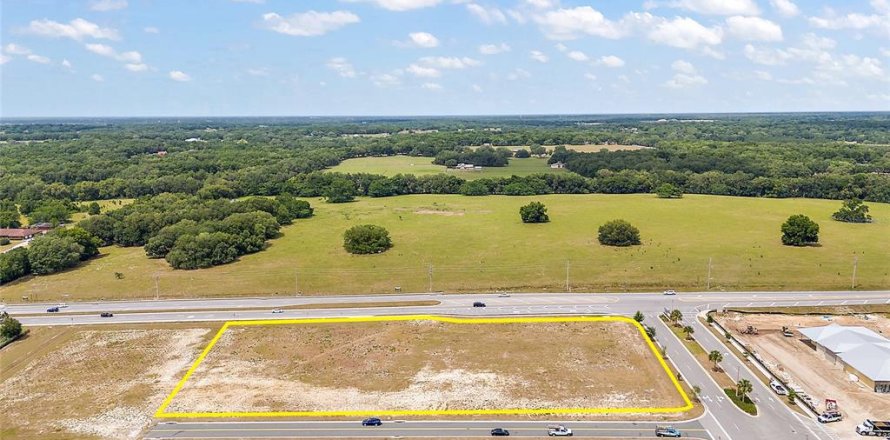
[427, 365]
[91, 383]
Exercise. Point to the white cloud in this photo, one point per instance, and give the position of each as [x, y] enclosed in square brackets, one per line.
[766, 57]
[386, 80]
[66, 64]
[180, 76]
[577, 55]
[718, 7]
[431, 86]
[494, 49]
[590, 76]
[686, 76]
[38, 59]
[4, 59]
[785, 8]
[753, 29]
[542, 4]
[763, 75]
[136, 67]
[476, 88]
[449, 62]
[308, 24]
[568, 24]
[96, 77]
[517, 74]
[685, 33]
[404, 5]
[151, 30]
[885, 52]
[131, 57]
[878, 22]
[422, 39]
[561, 47]
[424, 72]
[539, 56]
[107, 5]
[258, 71]
[342, 67]
[15, 49]
[76, 29]
[611, 61]
[487, 15]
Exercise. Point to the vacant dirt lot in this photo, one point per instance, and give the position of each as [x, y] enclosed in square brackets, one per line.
[800, 364]
[427, 365]
[91, 383]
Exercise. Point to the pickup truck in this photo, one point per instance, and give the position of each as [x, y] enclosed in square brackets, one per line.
[830, 416]
[667, 431]
[874, 428]
[558, 431]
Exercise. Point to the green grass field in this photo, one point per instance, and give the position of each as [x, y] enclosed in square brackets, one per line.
[480, 244]
[421, 166]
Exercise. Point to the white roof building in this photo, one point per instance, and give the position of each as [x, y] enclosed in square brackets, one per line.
[862, 350]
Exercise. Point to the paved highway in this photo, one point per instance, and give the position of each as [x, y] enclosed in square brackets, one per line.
[722, 420]
[353, 429]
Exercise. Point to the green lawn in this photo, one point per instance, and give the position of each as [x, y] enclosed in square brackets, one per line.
[480, 244]
[421, 166]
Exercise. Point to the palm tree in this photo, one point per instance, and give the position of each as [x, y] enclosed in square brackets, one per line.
[638, 317]
[676, 316]
[792, 396]
[715, 356]
[743, 388]
[689, 331]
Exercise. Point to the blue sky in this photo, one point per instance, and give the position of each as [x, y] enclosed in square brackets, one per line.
[438, 57]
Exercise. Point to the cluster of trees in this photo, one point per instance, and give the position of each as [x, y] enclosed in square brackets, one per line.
[853, 211]
[366, 239]
[9, 327]
[486, 156]
[58, 250]
[190, 232]
[800, 230]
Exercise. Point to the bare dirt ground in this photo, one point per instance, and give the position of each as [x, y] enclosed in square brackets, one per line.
[91, 383]
[427, 365]
[801, 365]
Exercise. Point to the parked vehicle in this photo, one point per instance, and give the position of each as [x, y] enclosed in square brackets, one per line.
[667, 431]
[877, 428]
[106, 315]
[372, 421]
[778, 388]
[670, 292]
[559, 431]
[786, 332]
[830, 416]
[277, 311]
[52, 310]
[478, 304]
[500, 432]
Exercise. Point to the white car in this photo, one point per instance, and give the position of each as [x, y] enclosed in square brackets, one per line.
[62, 305]
[670, 292]
[778, 388]
[277, 311]
[504, 295]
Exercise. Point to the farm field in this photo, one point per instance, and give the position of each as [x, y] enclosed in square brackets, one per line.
[427, 365]
[102, 382]
[480, 244]
[420, 166]
[582, 148]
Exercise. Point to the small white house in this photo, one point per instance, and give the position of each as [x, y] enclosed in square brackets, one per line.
[557, 165]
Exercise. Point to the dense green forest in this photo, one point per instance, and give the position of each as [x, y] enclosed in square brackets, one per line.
[186, 173]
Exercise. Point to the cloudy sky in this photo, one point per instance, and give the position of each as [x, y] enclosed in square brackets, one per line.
[437, 57]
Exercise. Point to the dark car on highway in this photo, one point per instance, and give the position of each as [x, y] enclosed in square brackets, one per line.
[478, 304]
[499, 432]
[106, 314]
[52, 309]
[372, 421]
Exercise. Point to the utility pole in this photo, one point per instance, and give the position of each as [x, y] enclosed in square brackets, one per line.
[709, 273]
[297, 282]
[568, 286]
[430, 273]
[855, 264]
[157, 286]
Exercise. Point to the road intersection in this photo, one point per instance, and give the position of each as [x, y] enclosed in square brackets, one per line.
[722, 419]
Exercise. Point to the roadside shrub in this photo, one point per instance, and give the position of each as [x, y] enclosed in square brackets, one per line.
[618, 233]
[800, 230]
[4, 241]
[366, 239]
[10, 328]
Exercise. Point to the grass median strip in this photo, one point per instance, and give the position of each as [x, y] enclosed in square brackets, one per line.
[337, 305]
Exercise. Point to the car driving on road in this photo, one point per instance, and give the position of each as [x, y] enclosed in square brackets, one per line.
[499, 432]
[670, 292]
[778, 388]
[52, 310]
[372, 421]
[478, 304]
[277, 311]
[558, 431]
[667, 431]
[106, 315]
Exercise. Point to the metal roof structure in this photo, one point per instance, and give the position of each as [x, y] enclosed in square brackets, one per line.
[861, 348]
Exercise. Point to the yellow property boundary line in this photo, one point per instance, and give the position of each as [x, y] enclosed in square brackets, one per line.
[161, 412]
